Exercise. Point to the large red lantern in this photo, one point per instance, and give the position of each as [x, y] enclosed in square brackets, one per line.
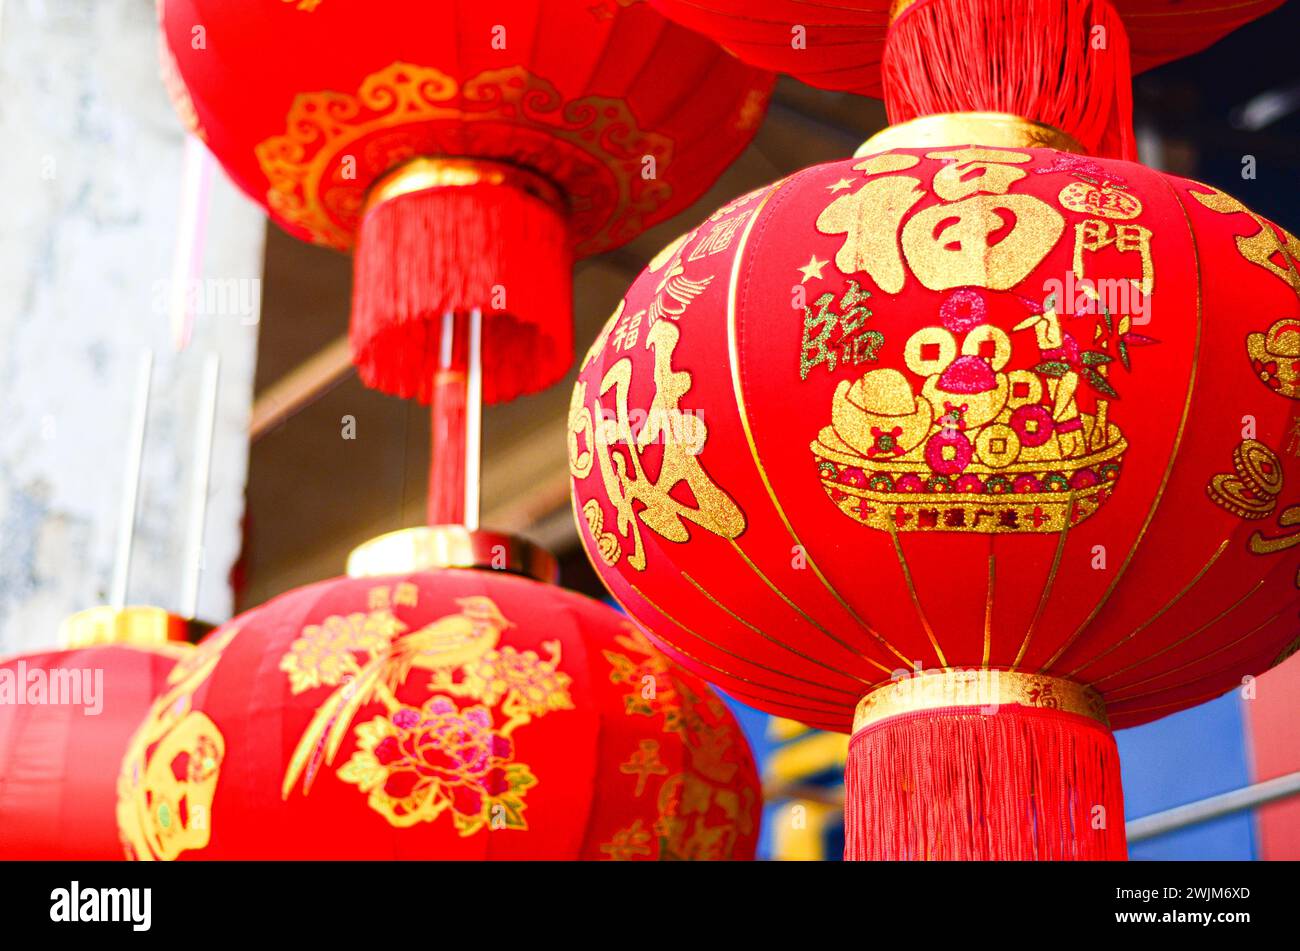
[936, 56]
[449, 714]
[65, 720]
[976, 450]
[467, 151]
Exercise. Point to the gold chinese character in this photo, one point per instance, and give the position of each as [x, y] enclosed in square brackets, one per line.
[1094, 235]
[623, 473]
[949, 244]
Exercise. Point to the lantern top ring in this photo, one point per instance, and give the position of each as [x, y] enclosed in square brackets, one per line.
[431, 547]
[135, 625]
[426, 172]
[998, 129]
[984, 690]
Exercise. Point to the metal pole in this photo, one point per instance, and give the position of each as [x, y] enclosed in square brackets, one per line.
[1215, 807]
[201, 475]
[131, 482]
[473, 419]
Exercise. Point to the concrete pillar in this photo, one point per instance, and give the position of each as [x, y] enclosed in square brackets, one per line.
[91, 160]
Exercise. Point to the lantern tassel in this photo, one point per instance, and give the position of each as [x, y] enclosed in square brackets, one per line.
[974, 783]
[451, 247]
[1064, 63]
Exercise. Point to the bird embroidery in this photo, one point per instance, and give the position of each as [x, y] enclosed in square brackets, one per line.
[445, 644]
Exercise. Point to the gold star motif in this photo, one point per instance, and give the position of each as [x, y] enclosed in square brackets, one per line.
[812, 269]
[839, 186]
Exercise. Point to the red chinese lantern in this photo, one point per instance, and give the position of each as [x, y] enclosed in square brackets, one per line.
[450, 714]
[65, 720]
[977, 451]
[935, 56]
[467, 151]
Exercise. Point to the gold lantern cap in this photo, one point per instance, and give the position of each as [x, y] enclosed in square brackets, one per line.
[998, 129]
[432, 547]
[134, 625]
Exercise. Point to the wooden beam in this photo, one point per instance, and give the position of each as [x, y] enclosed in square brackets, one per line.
[300, 387]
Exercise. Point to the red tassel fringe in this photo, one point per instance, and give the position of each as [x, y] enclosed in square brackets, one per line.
[454, 248]
[1021, 783]
[1030, 58]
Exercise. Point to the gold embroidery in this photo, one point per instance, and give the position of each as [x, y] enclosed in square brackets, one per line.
[643, 764]
[403, 760]
[1261, 247]
[1106, 201]
[1251, 491]
[719, 237]
[592, 145]
[890, 162]
[172, 765]
[1275, 357]
[976, 450]
[675, 291]
[606, 542]
[700, 814]
[945, 245]
[1095, 235]
[682, 434]
[869, 218]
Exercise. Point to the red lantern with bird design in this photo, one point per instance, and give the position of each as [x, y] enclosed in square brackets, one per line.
[467, 152]
[443, 714]
[65, 720]
[976, 450]
[936, 56]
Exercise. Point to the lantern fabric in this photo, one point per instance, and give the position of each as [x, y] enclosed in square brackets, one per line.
[450, 714]
[955, 408]
[843, 41]
[65, 720]
[1067, 63]
[468, 151]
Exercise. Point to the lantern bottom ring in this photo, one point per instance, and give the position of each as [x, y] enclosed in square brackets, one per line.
[986, 689]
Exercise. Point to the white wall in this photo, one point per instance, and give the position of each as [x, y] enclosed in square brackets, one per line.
[90, 188]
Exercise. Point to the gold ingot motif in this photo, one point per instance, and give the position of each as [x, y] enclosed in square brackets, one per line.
[1276, 357]
[977, 407]
[884, 400]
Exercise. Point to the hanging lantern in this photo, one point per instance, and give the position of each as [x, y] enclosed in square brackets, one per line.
[421, 709]
[468, 152]
[65, 720]
[978, 451]
[935, 56]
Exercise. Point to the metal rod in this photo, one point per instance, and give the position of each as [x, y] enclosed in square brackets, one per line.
[204, 432]
[1214, 807]
[474, 419]
[131, 481]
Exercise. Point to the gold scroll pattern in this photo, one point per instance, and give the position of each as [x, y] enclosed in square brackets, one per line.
[592, 146]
